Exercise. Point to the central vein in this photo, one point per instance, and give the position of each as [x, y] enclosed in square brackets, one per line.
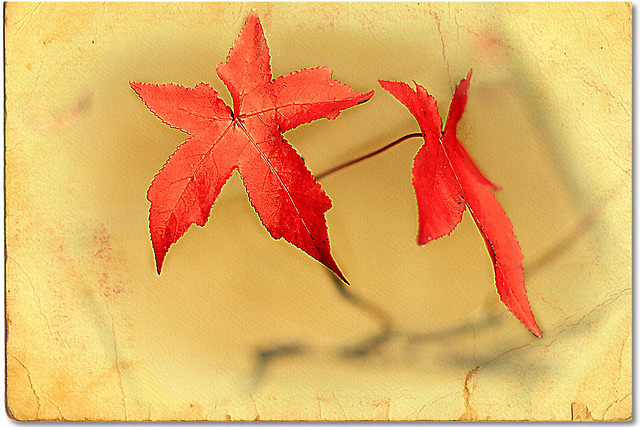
[282, 184]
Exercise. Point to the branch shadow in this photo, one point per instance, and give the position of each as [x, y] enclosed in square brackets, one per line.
[388, 330]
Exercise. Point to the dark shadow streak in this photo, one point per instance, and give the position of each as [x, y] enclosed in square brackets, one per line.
[377, 313]
[420, 338]
[387, 332]
[265, 356]
[565, 244]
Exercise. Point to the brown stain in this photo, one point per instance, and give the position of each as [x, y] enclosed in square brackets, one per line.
[102, 238]
[438, 20]
[195, 411]
[108, 374]
[25, 407]
[266, 18]
[114, 289]
[580, 412]
[104, 255]
[490, 47]
[384, 405]
[62, 387]
[67, 118]
[327, 15]
[469, 414]
[95, 270]
[110, 288]
[10, 413]
[103, 263]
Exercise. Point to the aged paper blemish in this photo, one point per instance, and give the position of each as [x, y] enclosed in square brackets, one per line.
[242, 327]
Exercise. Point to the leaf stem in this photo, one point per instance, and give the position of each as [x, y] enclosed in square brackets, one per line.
[367, 156]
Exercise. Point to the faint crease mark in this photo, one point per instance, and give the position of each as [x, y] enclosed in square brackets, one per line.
[25, 19]
[35, 292]
[8, 150]
[44, 395]
[33, 389]
[417, 417]
[179, 10]
[622, 346]
[472, 326]
[599, 307]
[612, 405]
[117, 360]
[544, 300]
[61, 417]
[255, 406]
[626, 171]
[455, 20]
[319, 407]
[344, 414]
[438, 20]
[605, 138]
[33, 89]
[614, 151]
[466, 391]
[567, 242]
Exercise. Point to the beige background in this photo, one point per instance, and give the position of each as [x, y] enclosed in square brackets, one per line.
[242, 327]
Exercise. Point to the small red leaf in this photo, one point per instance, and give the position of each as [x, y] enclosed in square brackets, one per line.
[447, 181]
[289, 201]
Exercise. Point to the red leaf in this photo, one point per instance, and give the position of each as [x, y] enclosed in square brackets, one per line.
[447, 181]
[284, 193]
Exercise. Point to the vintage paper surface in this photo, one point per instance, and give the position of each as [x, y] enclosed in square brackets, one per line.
[242, 327]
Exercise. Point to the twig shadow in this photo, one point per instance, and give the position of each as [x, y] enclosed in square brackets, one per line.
[388, 331]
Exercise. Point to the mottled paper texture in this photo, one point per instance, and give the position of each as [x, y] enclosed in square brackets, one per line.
[242, 327]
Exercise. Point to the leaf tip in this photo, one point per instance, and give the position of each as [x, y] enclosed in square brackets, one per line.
[331, 264]
[535, 330]
[138, 88]
[366, 96]
[344, 279]
[159, 262]
[254, 18]
[160, 254]
[422, 240]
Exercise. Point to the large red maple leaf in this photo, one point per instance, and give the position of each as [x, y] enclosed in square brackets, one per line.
[289, 201]
[447, 181]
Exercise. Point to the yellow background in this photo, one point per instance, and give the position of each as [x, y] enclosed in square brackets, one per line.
[95, 334]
